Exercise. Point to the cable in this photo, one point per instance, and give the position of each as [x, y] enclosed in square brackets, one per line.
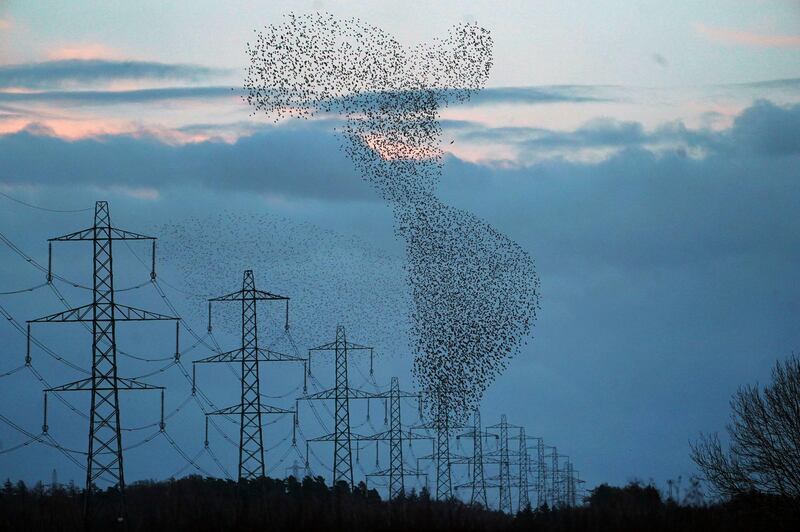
[146, 440]
[183, 454]
[12, 371]
[46, 209]
[36, 264]
[20, 445]
[47, 385]
[23, 290]
[166, 417]
[188, 464]
[219, 464]
[24, 331]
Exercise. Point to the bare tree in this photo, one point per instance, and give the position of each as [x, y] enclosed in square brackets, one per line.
[764, 450]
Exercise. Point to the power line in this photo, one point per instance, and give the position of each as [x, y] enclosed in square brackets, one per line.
[46, 209]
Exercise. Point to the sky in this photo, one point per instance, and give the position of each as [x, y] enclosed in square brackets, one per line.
[645, 156]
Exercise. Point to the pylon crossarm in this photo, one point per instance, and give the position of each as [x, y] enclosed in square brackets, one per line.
[324, 394]
[89, 234]
[331, 394]
[234, 355]
[237, 409]
[121, 234]
[326, 437]
[86, 385]
[137, 314]
[83, 313]
[331, 346]
[372, 437]
[353, 393]
[258, 295]
[268, 355]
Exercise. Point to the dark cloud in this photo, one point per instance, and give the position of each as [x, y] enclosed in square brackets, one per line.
[511, 95]
[537, 95]
[87, 97]
[54, 74]
[275, 161]
[763, 128]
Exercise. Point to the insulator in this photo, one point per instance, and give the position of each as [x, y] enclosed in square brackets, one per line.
[44, 420]
[177, 340]
[49, 262]
[153, 259]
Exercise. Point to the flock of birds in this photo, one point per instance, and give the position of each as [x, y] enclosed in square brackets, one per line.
[473, 291]
[330, 278]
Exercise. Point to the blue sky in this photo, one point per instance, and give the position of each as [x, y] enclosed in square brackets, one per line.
[645, 156]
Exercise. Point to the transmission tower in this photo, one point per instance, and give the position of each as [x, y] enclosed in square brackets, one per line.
[341, 394]
[504, 463]
[524, 465]
[478, 483]
[397, 470]
[250, 409]
[441, 453]
[555, 483]
[541, 474]
[105, 457]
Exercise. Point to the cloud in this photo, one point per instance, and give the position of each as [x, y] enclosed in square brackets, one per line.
[275, 161]
[763, 128]
[540, 95]
[55, 74]
[747, 38]
[509, 95]
[88, 97]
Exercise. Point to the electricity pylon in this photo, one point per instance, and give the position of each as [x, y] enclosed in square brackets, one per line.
[105, 457]
[541, 474]
[441, 452]
[250, 409]
[341, 393]
[504, 463]
[478, 483]
[524, 466]
[555, 490]
[395, 435]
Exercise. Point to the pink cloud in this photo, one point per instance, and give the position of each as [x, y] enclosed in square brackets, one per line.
[5, 24]
[746, 38]
[84, 51]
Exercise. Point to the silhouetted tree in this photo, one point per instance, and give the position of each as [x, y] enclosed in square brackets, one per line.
[764, 432]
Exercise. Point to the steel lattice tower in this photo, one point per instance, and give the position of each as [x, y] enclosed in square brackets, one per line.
[478, 482]
[541, 474]
[570, 481]
[444, 488]
[524, 497]
[341, 394]
[396, 486]
[395, 435]
[505, 472]
[555, 495]
[105, 456]
[250, 409]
